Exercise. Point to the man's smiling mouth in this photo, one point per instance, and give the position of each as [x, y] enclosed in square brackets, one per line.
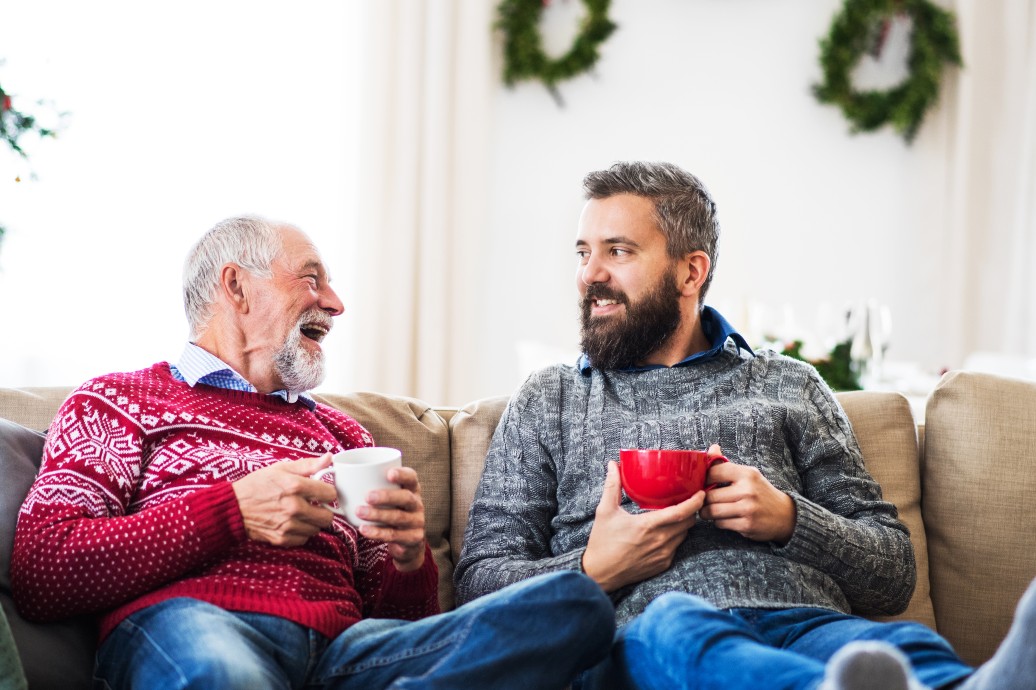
[314, 331]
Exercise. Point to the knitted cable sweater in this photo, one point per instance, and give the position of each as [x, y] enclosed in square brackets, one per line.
[133, 505]
[545, 470]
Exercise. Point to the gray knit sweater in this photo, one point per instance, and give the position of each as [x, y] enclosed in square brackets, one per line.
[545, 470]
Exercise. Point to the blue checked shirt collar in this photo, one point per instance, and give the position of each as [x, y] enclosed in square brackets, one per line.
[197, 365]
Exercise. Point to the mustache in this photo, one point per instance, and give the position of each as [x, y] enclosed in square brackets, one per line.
[600, 291]
[316, 317]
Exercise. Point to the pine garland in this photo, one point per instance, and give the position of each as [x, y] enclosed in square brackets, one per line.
[524, 57]
[933, 42]
[13, 124]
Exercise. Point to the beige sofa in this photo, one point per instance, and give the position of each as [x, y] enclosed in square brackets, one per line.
[967, 491]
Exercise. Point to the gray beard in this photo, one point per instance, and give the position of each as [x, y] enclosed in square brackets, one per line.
[299, 370]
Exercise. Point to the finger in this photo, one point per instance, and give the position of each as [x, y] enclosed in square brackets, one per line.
[392, 518]
[403, 499]
[717, 511]
[317, 515]
[317, 490]
[715, 450]
[404, 538]
[681, 512]
[723, 473]
[406, 477]
[611, 496]
[306, 466]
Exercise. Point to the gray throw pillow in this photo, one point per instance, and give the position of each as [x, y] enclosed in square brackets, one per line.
[54, 655]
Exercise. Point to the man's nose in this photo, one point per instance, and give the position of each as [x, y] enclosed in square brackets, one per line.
[330, 302]
[593, 271]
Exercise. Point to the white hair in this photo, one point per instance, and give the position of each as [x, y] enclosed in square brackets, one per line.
[249, 241]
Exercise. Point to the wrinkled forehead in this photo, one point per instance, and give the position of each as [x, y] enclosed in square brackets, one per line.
[298, 251]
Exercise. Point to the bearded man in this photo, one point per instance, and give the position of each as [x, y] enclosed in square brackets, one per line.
[750, 585]
[176, 504]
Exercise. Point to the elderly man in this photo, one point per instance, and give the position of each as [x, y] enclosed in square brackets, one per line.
[751, 584]
[177, 503]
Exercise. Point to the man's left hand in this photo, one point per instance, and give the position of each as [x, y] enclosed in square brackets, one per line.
[748, 503]
[401, 512]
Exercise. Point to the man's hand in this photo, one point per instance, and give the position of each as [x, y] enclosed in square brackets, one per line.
[276, 502]
[749, 504]
[625, 548]
[401, 512]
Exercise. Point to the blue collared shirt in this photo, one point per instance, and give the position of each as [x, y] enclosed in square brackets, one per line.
[717, 330]
[198, 365]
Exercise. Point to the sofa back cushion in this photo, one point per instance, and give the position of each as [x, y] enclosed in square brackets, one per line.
[421, 434]
[979, 483]
[471, 430]
[885, 429]
[882, 422]
[32, 407]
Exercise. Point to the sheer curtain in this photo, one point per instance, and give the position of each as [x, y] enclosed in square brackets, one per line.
[425, 111]
[989, 253]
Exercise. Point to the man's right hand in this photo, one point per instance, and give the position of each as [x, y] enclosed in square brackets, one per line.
[277, 502]
[625, 548]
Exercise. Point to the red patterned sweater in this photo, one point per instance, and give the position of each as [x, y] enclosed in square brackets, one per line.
[133, 505]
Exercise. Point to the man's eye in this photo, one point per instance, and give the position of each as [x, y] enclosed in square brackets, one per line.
[619, 251]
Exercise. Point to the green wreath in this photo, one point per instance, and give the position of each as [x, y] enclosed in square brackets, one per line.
[523, 50]
[933, 41]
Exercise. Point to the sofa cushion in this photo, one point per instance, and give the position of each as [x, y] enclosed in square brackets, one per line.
[32, 407]
[54, 655]
[471, 430]
[979, 483]
[415, 429]
[885, 429]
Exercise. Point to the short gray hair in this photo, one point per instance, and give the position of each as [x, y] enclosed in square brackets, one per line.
[249, 241]
[684, 209]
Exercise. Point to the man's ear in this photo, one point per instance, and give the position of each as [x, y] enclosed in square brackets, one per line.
[233, 285]
[692, 270]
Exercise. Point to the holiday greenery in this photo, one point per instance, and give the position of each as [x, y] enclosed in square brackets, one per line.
[15, 124]
[933, 44]
[524, 57]
[836, 369]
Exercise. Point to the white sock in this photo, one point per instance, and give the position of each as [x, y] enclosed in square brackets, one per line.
[868, 665]
[1013, 667]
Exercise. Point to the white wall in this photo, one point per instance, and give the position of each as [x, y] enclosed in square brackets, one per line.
[810, 213]
[156, 151]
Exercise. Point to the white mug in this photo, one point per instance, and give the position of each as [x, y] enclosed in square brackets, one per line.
[358, 471]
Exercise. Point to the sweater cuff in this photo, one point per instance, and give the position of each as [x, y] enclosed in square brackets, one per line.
[811, 538]
[415, 587]
[216, 515]
[573, 560]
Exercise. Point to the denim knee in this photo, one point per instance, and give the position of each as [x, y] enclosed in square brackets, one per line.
[589, 604]
[675, 605]
[673, 614]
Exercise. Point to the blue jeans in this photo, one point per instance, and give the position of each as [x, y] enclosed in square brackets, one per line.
[538, 633]
[682, 641]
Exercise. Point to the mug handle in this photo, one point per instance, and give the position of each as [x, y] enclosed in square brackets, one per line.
[320, 475]
[715, 460]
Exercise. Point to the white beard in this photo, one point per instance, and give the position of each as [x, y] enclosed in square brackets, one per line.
[299, 369]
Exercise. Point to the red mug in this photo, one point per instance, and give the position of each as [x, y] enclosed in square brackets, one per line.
[656, 478]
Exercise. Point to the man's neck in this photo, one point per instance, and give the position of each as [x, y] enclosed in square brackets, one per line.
[236, 356]
[688, 339]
